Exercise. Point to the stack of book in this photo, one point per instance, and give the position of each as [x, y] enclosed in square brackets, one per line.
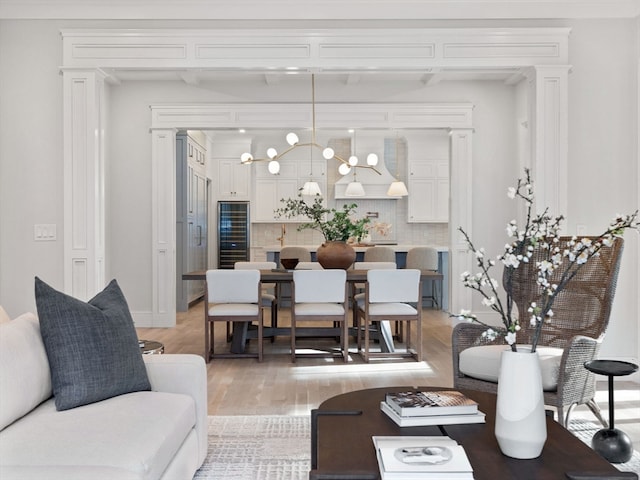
[444, 407]
[409, 458]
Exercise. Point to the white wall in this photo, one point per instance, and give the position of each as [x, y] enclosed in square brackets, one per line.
[602, 155]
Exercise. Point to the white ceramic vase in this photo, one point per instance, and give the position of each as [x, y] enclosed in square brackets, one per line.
[521, 427]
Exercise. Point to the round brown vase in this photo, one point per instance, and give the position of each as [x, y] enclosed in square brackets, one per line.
[335, 255]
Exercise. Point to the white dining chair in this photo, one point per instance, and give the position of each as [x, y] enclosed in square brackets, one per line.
[321, 296]
[268, 294]
[426, 258]
[389, 295]
[232, 296]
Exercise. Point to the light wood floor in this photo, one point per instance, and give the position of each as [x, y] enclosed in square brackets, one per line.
[278, 387]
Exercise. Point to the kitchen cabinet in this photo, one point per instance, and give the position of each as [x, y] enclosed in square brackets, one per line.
[428, 200]
[191, 217]
[234, 179]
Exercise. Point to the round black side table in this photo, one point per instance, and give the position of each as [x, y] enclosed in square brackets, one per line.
[151, 347]
[611, 443]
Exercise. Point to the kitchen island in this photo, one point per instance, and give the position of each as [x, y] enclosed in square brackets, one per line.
[272, 253]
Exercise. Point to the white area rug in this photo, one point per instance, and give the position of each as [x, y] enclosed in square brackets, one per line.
[257, 448]
[277, 447]
[585, 430]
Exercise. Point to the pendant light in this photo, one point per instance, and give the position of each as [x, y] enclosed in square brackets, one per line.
[397, 187]
[273, 157]
[355, 188]
[310, 187]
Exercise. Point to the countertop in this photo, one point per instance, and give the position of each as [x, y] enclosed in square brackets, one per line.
[361, 248]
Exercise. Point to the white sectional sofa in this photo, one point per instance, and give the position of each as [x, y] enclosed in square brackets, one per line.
[157, 434]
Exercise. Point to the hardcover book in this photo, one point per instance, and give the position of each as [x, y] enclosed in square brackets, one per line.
[426, 420]
[414, 457]
[442, 402]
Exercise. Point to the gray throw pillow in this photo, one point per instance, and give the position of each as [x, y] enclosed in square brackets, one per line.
[92, 347]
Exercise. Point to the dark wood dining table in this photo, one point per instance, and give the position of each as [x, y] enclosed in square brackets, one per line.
[241, 331]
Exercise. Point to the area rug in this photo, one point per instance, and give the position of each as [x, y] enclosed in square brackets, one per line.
[585, 430]
[277, 447]
[257, 448]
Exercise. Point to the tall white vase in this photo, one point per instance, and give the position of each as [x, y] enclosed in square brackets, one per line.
[521, 427]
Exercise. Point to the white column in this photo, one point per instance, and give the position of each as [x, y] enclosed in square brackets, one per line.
[460, 215]
[163, 224]
[549, 122]
[84, 220]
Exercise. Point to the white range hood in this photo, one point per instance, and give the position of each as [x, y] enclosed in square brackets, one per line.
[375, 186]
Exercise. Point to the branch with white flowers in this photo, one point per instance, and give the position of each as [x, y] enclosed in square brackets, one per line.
[540, 232]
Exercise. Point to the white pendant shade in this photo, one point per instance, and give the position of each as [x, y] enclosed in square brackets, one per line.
[353, 160]
[311, 188]
[246, 157]
[344, 169]
[328, 153]
[372, 159]
[272, 153]
[292, 138]
[274, 167]
[397, 189]
[354, 189]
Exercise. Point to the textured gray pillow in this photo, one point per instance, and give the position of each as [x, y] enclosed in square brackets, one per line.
[92, 347]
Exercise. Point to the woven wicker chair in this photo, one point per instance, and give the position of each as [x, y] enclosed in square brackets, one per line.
[581, 315]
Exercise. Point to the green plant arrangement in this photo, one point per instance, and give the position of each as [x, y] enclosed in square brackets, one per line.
[540, 231]
[334, 224]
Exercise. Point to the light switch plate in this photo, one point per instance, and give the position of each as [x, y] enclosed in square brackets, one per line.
[45, 232]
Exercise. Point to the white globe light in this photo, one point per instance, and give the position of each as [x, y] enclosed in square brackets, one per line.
[328, 153]
[272, 152]
[246, 157]
[292, 138]
[274, 167]
[372, 159]
[353, 160]
[344, 169]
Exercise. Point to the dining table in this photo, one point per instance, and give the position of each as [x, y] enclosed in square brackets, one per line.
[241, 330]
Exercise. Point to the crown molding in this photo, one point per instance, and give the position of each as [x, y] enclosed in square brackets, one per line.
[332, 10]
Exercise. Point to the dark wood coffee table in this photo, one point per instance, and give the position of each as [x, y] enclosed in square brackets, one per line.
[344, 442]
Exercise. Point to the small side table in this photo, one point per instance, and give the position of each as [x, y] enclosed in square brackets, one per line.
[151, 347]
[611, 443]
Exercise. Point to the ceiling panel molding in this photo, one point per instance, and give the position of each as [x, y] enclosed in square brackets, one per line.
[333, 10]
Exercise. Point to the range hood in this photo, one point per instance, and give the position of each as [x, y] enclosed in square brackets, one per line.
[375, 186]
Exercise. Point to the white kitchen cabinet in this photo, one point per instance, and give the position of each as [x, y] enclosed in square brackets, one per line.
[234, 179]
[428, 200]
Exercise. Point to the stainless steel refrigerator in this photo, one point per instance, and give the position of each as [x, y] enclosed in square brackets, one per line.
[233, 233]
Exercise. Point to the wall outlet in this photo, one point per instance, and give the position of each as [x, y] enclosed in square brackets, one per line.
[45, 232]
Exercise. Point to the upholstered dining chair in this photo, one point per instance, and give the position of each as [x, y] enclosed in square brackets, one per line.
[268, 295]
[357, 289]
[320, 295]
[426, 258]
[301, 253]
[573, 337]
[389, 295]
[232, 296]
[309, 266]
[379, 254]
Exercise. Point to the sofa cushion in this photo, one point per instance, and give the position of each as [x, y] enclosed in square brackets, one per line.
[92, 347]
[25, 381]
[134, 436]
[483, 363]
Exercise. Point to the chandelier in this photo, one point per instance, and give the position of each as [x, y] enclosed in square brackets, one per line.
[311, 187]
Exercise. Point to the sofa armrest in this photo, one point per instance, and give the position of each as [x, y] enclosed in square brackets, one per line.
[186, 374]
